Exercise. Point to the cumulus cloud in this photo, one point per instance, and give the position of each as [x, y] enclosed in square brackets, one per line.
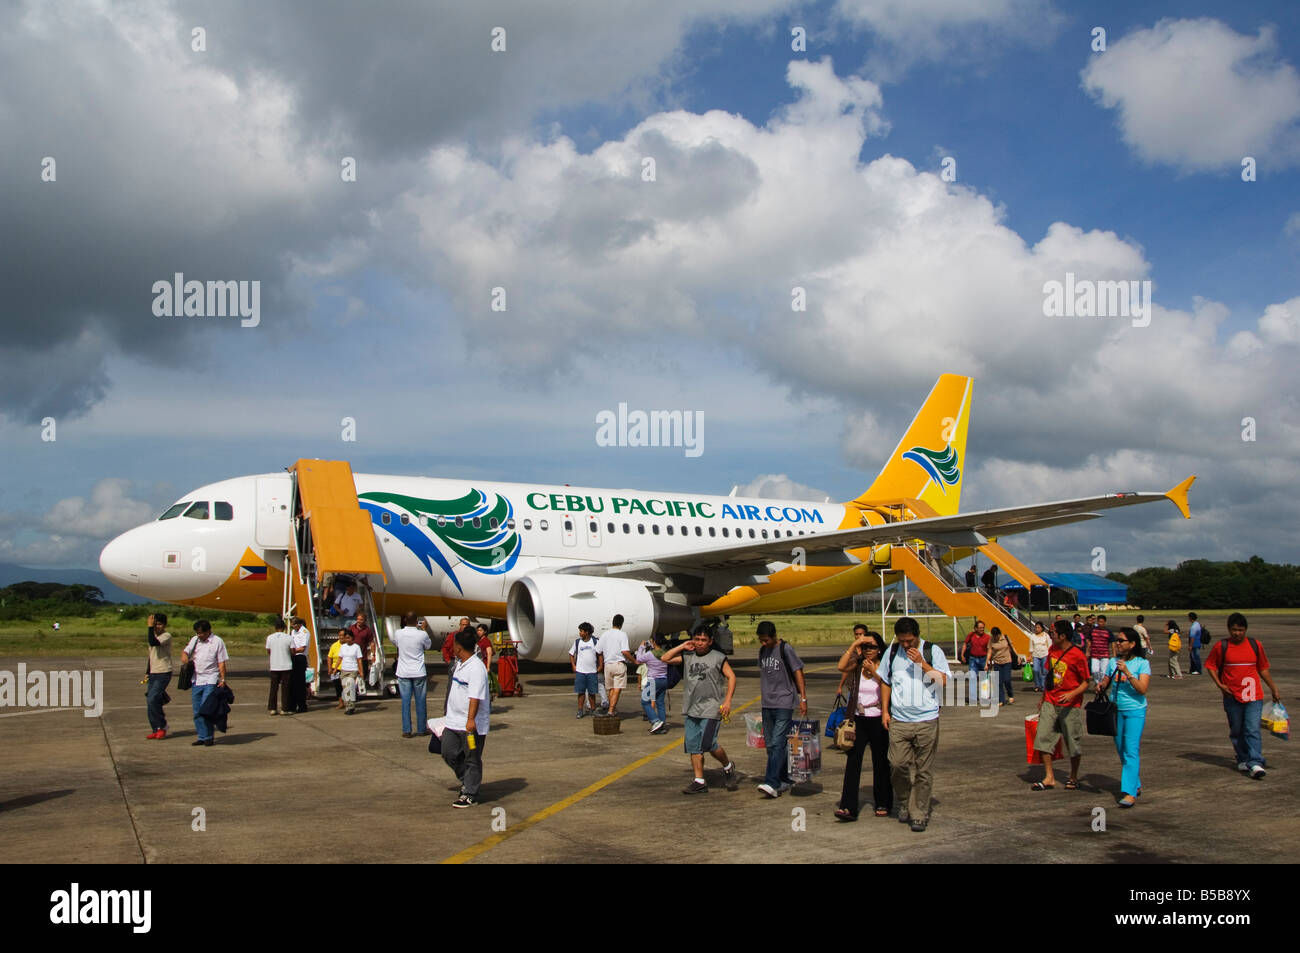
[110, 510]
[778, 486]
[1198, 96]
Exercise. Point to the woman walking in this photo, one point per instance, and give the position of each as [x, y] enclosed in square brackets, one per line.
[1175, 646]
[859, 662]
[1002, 658]
[1039, 643]
[1130, 672]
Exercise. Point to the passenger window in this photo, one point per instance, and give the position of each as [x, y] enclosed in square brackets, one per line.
[198, 511]
[592, 527]
[385, 519]
[405, 520]
[654, 528]
[224, 511]
[670, 531]
[725, 533]
[568, 526]
[492, 523]
[442, 521]
[765, 534]
[478, 522]
[640, 528]
[751, 533]
[609, 527]
[686, 531]
[460, 521]
[528, 524]
[698, 531]
[424, 520]
[510, 523]
[542, 524]
[627, 528]
[174, 511]
[713, 531]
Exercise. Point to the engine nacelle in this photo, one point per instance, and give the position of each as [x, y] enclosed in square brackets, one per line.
[544, 611]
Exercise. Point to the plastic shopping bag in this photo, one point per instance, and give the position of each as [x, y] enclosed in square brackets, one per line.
[1275, 720]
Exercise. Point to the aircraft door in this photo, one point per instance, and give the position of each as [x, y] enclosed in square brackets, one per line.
[273, 499]
[569, 531]
[593, 531]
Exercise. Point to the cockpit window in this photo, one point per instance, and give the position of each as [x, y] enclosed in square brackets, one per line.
[174, 511]
[198, 511]
[223, 511]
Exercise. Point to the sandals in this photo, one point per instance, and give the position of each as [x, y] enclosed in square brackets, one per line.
[844, 814]
[1127, 801]
[882, 812]
[1040, 786]
[1072, 784]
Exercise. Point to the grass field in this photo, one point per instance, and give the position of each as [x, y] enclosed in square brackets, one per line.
[107, 634]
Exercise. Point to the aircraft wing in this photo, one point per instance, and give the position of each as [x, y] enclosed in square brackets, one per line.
[829, 549]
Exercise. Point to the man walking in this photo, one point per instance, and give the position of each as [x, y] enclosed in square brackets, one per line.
[975, 653]
[1194, 637]
[912, 675]
[781, 682]
[971, 576]
[210, 657]
[1060, 711]
[1099, 639]
[616, 653]
[280, 662]
[467, 719]
[160, 674]
[412, 676]
[1238, 665]
[704, 704]
[298, 640]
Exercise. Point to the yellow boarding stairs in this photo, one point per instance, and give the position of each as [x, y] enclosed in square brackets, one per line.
[332, 543]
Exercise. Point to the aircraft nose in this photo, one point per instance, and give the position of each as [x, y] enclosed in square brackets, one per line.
[120, 562]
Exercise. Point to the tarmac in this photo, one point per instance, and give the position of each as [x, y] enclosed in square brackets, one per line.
[317, 785]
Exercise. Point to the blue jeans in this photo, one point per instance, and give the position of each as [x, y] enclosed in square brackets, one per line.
[1040, 673]
[776, 728]
[157, 686]
[654, 706]
[418, 687]
[1195, 650]
[1128, 739]
[1243, 730]
[1005, 689]
[975, 665]
[202, 725]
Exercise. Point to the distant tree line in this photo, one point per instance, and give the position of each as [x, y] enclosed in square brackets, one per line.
[1202, 584]
[35, 600]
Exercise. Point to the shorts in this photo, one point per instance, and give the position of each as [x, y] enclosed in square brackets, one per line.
[616, 675]
[584, 683]
[1059, 723]
[702, 734]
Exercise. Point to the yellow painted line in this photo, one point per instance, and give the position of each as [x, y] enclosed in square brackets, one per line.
[469, 853]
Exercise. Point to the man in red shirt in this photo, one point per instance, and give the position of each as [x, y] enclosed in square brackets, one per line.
[975, 653]
[449, 644]
[1237, 665]
[1060, 712]
[363, 636]
[1098, 642]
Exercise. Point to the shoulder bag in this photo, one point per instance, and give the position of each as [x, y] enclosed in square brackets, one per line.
[1101, 715]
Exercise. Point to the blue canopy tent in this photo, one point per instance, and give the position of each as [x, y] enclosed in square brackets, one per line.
[1091, 588]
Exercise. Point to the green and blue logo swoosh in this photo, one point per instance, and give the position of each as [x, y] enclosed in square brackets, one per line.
[490, 547]
[941, 465]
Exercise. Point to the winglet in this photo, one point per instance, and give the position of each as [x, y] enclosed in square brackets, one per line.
[1179, 496]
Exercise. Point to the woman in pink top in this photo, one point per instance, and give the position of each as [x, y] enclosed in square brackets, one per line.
[859, 662]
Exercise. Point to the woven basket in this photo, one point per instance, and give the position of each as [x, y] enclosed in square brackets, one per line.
[606, 724]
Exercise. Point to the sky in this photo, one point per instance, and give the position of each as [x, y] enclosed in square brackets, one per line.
[475, 227]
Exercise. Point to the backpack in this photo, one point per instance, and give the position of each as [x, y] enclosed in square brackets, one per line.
[1223, 653]
[1175, 643]
[1205, 637]
[929, 654]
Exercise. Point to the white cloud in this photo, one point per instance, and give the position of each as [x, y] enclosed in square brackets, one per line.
[1199, 96]
[778, 486]
[109, 511]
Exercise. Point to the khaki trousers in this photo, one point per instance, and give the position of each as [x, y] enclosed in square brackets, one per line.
[912, 747]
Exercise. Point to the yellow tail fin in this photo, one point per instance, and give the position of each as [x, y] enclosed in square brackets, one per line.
[929, 462]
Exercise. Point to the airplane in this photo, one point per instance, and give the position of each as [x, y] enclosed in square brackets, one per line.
[544, 558]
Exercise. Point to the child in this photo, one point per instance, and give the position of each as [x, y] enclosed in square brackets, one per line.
[1175, 644]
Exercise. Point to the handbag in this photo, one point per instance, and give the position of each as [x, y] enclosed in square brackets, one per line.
[839, 711]
[1101, 715]
[185, 680]
[846, 735]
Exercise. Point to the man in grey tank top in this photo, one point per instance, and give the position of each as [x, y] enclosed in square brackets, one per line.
[705, 703]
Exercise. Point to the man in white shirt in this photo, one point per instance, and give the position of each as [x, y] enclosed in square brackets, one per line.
[615, 654]
[412, 676]
[280, 663]
[347, 604]
[584, 659]
[298, 640]
[349, 669]
[210, 657]
[467, 719]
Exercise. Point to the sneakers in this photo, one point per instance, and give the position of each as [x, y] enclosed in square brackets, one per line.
[1257, 772]
[785, 786]
[656, 727]
[155, 735]
[407, 734]
[769, 792]
[696, 787]
[196, 744]
[465, 800]
[582, 713]
[732, 776]
[661, 730]
[281, 711]
[919, 826]
[904, 817]
[272, 711]
[1243, 767]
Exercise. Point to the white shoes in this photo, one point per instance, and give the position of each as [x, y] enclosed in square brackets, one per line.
[769, 791]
